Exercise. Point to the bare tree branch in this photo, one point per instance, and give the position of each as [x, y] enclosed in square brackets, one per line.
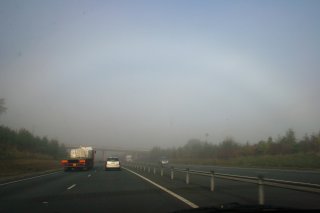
[2, 107]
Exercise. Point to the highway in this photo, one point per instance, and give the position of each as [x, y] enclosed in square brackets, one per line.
[228, 191]
[130, 190]
[87, 191]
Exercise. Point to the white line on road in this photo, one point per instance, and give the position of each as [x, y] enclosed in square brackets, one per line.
[165, 189]
[16, 181]
[89, 175]
[70, 187]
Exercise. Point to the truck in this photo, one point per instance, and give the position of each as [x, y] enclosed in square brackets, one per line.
[81, 158]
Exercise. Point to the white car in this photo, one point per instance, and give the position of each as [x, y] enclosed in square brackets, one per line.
[164, 161]
[112, 163]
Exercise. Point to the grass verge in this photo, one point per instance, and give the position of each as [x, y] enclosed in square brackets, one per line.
[293, 161]
[14, 168]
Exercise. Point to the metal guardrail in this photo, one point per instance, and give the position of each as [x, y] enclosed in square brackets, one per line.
[260, 180]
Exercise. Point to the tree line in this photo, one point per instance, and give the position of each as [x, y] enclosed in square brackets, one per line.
[229, 148]
[24, 141]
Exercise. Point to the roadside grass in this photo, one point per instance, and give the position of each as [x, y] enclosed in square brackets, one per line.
[15, 167]
[16, 163]
[14, 153]
[293, 161]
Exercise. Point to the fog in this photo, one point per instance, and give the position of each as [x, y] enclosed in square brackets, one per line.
[126, 74]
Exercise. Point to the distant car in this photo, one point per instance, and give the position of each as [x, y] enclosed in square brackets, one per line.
[112, 163]
[164, 161]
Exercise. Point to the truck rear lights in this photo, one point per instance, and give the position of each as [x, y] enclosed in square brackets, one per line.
[64, 161]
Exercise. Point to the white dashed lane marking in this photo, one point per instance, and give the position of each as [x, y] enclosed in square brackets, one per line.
[70, 187]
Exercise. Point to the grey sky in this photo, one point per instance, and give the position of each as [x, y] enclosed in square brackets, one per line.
[139, 74]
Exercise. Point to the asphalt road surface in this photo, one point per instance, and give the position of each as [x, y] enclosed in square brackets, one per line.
[87, 191]
[228, 191]
[131, 190]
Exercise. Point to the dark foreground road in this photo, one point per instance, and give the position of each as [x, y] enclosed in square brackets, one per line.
[87, 191]
[124, 191]
[229, 191]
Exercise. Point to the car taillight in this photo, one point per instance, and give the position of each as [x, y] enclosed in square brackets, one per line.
[64, 161]
[82, 161]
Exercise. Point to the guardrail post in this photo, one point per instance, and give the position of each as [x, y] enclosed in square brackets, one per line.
[154, 170]
[144, 168]
[261, 190]
[212, 181]
[172, 174]
[161, 171]
[149, 169]
[187, 176]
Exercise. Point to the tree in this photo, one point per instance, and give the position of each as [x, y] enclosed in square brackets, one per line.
[194, 148]
[262, 148]
[228, 148]
[2, 107]
[290, 137]
[288, 142]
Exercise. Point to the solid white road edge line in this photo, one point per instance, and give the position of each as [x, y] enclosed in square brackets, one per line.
[70, 187]
[165, 189]
[16, 181]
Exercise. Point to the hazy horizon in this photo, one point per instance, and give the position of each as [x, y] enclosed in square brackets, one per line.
[143, 74]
